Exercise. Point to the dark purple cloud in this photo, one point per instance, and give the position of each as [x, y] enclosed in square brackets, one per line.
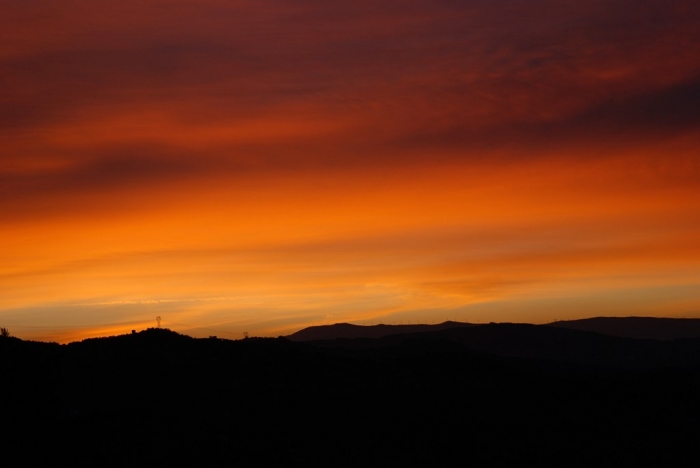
[408, 82]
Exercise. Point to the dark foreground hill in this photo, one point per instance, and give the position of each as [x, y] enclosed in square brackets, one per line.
[158, 398]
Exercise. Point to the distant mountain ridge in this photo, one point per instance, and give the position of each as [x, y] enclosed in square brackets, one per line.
[645, 328]
[350, 331]
[616, 343]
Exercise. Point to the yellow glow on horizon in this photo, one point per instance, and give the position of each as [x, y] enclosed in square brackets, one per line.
[261, 168]
[445, 239]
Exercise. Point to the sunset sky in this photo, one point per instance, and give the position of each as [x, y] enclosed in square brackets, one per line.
[262, 166]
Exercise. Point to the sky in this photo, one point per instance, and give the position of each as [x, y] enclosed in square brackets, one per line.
[263, 166]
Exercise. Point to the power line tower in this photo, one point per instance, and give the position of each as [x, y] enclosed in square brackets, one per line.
[158, 321]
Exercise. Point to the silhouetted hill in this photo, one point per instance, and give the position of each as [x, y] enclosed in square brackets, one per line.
[350, 331]
[152, 340]
[636, 327]
[652, 328]
[487, 395]
[12, 345]
[548, 344]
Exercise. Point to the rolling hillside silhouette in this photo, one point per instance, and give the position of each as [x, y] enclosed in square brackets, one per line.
[349, 331]
[489, 395]
[579, 342]
[652, 328]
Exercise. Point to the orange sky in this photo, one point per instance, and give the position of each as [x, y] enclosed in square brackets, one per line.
[263, 166]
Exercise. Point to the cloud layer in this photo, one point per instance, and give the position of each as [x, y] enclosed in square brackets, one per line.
[357, 160]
